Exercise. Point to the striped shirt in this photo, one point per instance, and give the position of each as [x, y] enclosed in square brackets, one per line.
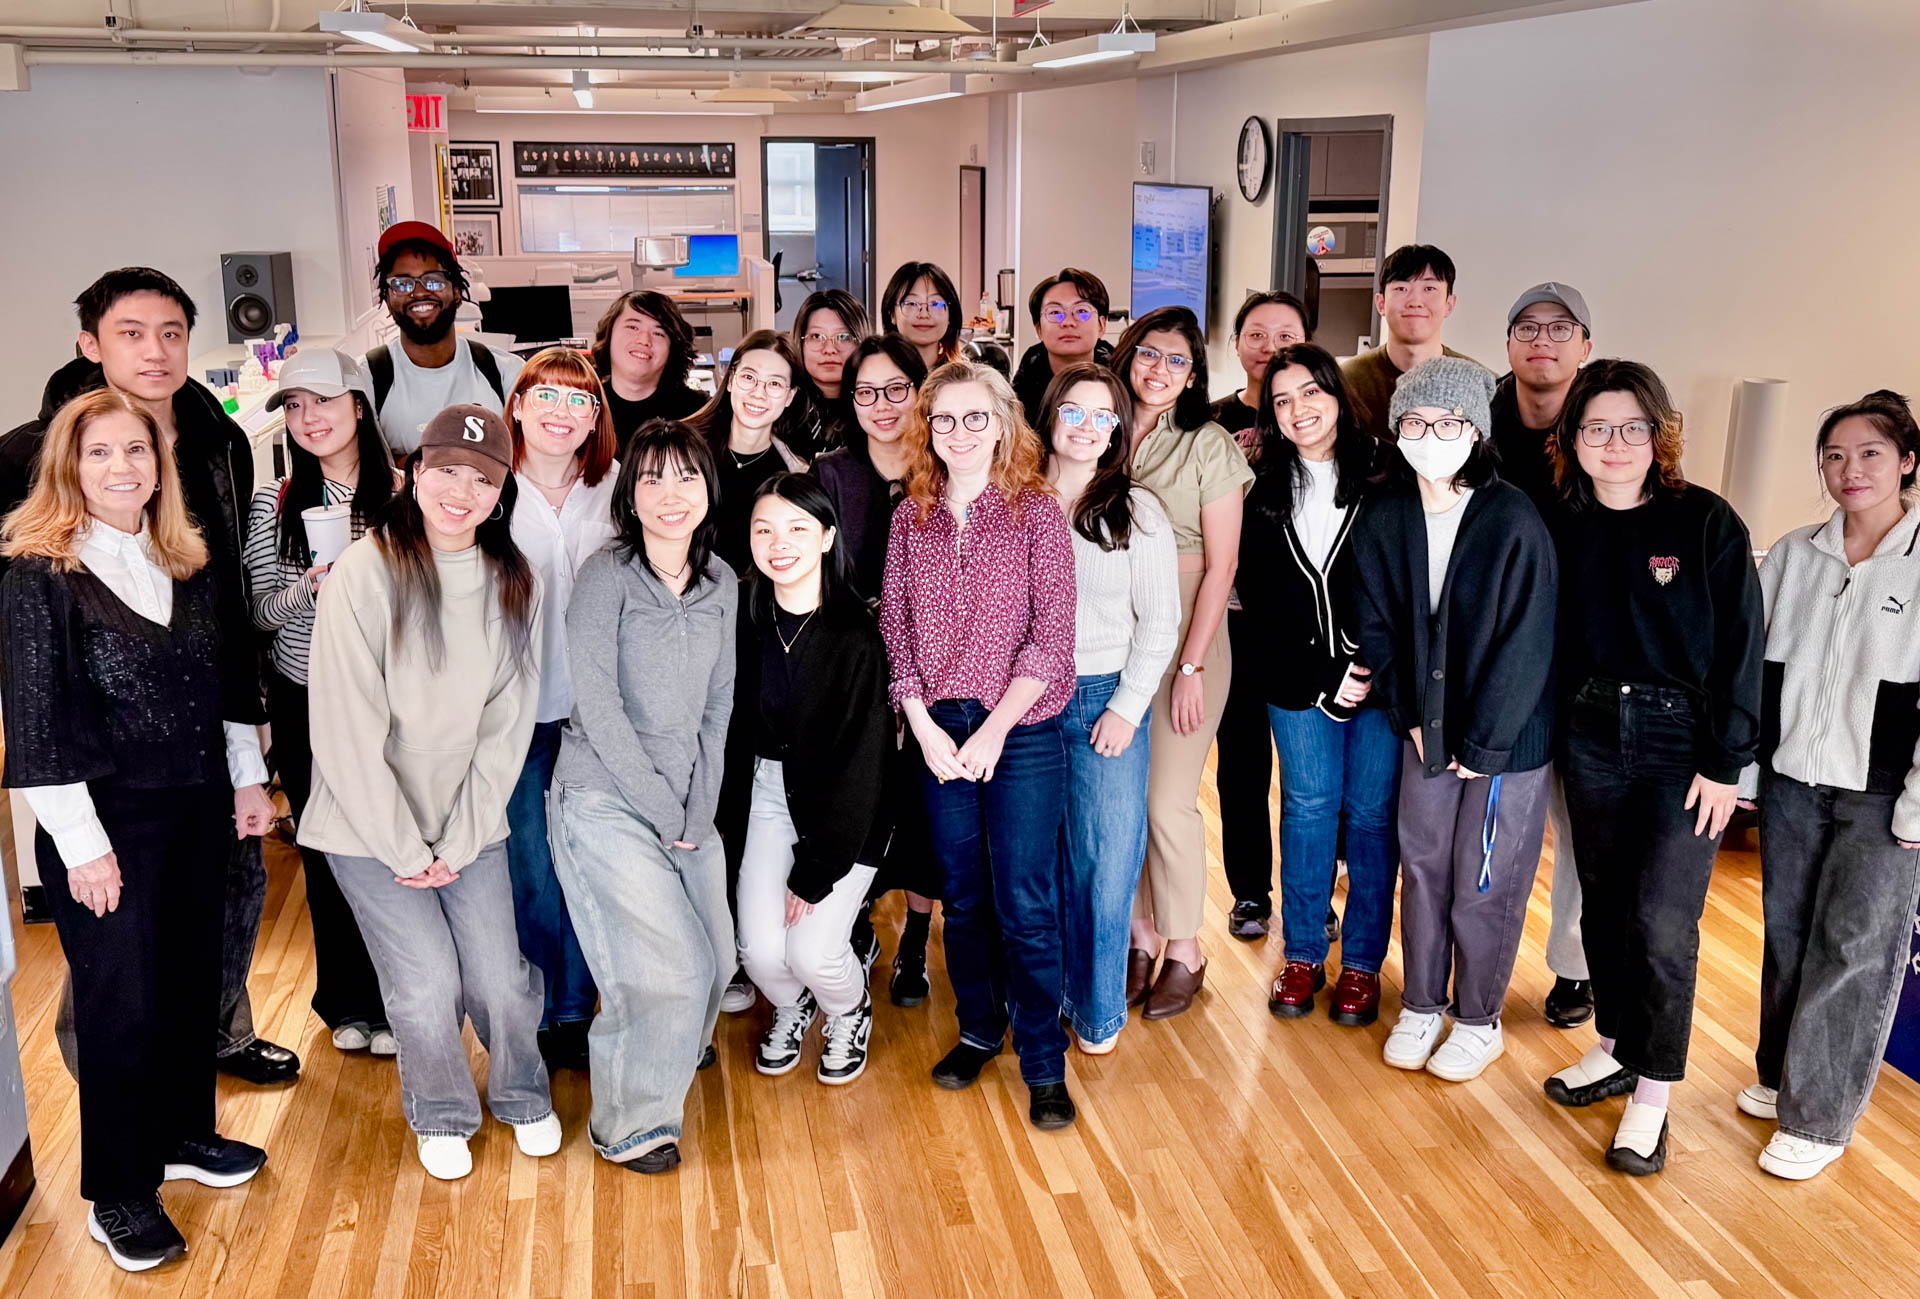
[278, 595]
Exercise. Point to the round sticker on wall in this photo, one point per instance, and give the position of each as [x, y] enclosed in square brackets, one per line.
[1320, 241]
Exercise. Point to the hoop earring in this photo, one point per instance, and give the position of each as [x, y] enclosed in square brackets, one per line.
[499, 513]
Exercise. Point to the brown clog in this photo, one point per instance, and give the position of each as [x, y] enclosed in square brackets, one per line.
[1174, 991]
[1139, 974]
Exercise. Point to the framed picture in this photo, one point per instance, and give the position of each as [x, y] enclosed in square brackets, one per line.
[473, 174]
[476, 234]
[548, 159]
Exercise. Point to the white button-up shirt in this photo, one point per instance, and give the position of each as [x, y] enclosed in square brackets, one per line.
[556, 543]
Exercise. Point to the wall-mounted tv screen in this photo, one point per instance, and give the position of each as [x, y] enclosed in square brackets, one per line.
[1171, 248]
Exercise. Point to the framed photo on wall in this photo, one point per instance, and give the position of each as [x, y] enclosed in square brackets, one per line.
[473, 174]
[476, 234]
[546, 159]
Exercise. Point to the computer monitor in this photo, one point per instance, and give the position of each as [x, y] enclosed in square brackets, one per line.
[534, 313]
[711, 257]
[1172, 248]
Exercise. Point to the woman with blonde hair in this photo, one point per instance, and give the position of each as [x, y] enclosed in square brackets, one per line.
[983, 664]
[115, 680]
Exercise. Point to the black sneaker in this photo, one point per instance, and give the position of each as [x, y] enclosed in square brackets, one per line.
[564, 1045]
[780, 1048]
[845, 1056]
[960, 1068]
[865, 943]
[261, 1062]
[909, 986]
[138, 1233]
[1248, 921]
[1049, 1108]
[661, 1159]
[708, 1059]
[214, 1162]
[1570, 1004]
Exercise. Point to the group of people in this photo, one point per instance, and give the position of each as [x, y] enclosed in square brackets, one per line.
[625, 702]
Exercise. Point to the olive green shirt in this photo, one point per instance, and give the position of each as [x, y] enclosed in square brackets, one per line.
[1370, 378]
[1187, 469]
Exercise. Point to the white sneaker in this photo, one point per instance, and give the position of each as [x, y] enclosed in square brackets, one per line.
[739, 994]
[780, 1049]
[1413, 1038]
[1466, 1053]
[1101, 1046]
[352, 1037]
[1760, 1102]
[538, 1139]
[1796, 1158]
[384, 1043]
[446, 1158]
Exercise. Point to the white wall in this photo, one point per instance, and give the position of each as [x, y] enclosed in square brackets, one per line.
[164, 167]
[1731, 183]
[375, 153]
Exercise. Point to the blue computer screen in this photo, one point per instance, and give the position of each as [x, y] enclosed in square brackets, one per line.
[710, 257]
[1170, 248]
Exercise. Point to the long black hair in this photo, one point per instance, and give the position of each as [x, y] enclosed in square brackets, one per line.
[1888, 412]
[401, 535]
[836, 572]
[905, 357]
[306, 485]
[1279, 470]
[660, 445]
[715, 419]
[910, 274]
[1104, 512]
[1192, 407]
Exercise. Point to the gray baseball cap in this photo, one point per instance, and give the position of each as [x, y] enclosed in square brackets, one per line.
[1561, 295]
[319, 370]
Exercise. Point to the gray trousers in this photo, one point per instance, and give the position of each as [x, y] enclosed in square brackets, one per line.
[1839, 895]
[444, 956]
[1449, 929]
[1566, 954]
[654, 926]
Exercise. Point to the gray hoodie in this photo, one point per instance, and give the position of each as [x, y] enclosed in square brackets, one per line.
[653, 689]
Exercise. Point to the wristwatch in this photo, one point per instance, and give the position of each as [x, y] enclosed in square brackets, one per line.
[1188, 669]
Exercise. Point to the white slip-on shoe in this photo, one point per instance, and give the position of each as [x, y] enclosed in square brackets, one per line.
[1468, 1050]
[1414, 1036]
[739, 995]
[1100, 1046]
[352, 1037]
[1640, 1142]
[1796, 1158]
[1591, 1079]
[1759, 1102]
[446, 1158]
[539, 1139]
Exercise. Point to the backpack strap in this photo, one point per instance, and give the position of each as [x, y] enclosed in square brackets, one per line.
[380, 370]
[489, 368]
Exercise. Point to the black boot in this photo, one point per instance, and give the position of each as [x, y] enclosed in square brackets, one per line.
[909, 986]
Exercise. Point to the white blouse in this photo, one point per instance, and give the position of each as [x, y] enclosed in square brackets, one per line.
[556, 543]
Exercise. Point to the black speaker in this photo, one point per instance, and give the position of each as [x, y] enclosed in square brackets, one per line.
[257, 289]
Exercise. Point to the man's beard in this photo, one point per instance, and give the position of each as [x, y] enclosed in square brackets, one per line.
[433, 331]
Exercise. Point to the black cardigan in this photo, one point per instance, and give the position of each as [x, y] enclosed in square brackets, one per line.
[842, 733]
[1477, 674]
[864, 502]
[1304, 623]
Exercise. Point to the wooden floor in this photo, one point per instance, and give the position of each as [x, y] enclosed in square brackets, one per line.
[1224, 1153]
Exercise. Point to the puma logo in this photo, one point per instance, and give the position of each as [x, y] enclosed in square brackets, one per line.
[1894, 605]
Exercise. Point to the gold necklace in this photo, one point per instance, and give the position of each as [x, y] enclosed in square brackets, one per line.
[786, 645]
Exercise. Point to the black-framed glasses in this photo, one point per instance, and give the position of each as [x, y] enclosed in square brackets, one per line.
[973, 421]
[1060, 315]
[865, 394]
[432, 282]
[1447, 428]
[546, 397]
[1525, 331]
[841, 339]
[1175, 362]
[1635, 433]
[1073, 416]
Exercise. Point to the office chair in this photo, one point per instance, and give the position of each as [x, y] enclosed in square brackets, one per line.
[776, 279]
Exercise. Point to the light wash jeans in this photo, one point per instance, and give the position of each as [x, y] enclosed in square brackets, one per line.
[443, 956]
[654, 924]
[1106, 839]
[1566, 950]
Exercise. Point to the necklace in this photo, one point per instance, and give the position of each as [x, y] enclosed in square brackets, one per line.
[555, 487]
[786, 645]
[665, 576]
[738, 463]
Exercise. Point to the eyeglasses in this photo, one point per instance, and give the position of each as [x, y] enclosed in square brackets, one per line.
[1059, 315]
[1260, 338]
[865, 394]
[973, 421]
[772, 387]
[1073, 416]
[1446, 428]
[1635, 433]
[545, 397]
[404, 285]
[1525, 331]
[1175, 362]
[930, 307]
[842, 339]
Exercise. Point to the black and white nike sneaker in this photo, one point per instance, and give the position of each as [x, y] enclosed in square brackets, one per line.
[780, 1049]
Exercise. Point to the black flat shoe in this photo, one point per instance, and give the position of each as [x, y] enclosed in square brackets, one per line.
[261, 1062]
[215, 1161]
[1570, 1004]
[1248, 921]
[564, 1046]
[1620, 1083]
[1623, 1159]
[661, 1159]
[1049, 1108]
[909, 986]
[960, 1068]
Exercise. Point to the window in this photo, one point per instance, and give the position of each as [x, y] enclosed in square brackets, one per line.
[790, 188]
[608, 218]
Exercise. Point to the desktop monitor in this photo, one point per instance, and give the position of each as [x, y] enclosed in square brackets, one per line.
[533, 313]
[711, 257]
[1171, 248]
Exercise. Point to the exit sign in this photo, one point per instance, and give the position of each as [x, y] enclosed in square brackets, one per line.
[427, 113]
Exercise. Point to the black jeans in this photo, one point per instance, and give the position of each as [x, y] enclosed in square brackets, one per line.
[1243, 774]
[1630, 757]
[345, 988]
[145, 979]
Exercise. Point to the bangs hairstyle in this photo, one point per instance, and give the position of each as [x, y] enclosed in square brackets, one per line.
[1409, 260]
[96, 298]
[910, 274]
[306, 485]
[1016, 456]
[1273, 298]
[1193, 407]
[568, 368]
[1104, 512]
[49, 523]
[905, 357]
[1279, 468]
[1888, 412]
[715, 419]
[440, 257]
[401, 536]
[660, 447]
[840, 303]
[659, 308]
[1087, 283]
[1644, 386]
[803, 491]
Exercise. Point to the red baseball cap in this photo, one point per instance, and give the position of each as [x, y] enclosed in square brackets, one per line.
[402, 231]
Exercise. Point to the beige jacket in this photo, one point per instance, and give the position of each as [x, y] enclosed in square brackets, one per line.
[413, 761]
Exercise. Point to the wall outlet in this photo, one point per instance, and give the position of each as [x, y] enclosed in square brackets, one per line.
[1149, 153]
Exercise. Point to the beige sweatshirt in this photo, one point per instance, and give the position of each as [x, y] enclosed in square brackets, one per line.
[413, 761]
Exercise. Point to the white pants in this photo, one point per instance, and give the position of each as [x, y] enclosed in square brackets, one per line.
[785, 961]
[1566, 955]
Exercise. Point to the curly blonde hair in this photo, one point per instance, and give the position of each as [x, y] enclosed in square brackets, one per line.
[1017, 456]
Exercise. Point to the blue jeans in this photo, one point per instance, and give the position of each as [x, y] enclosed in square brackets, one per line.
[1106, 840]
[998, 843]
[1327, 768]
[539, 907]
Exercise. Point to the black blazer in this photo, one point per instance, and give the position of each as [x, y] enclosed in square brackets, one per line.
[843, 737]
[1305, 624]
[1477, 674]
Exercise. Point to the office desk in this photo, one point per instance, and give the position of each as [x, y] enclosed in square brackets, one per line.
[693, 303]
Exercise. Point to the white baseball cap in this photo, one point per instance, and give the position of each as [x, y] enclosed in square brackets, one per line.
[319, 370]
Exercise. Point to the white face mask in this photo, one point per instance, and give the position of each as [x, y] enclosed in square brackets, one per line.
[1435, 460]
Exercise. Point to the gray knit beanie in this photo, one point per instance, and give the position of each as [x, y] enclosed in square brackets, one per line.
[1450, 382]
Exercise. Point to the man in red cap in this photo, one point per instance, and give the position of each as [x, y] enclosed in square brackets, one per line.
[420, 281]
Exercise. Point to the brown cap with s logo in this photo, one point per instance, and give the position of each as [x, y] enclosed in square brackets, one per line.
[468, 435]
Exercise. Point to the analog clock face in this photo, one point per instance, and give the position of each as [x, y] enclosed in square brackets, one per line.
[1255, 159]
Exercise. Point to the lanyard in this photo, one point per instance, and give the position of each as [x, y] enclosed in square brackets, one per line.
[1489, 834]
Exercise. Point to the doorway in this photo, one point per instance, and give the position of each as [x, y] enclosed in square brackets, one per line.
[973, 236]
[1330, 213]
[817, 195]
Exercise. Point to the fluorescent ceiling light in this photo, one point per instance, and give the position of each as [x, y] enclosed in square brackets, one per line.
[377, 30]
[641, 103]
[582, 89]
[916, 90]
[751, 95]
[891, 19]
[1088, 49]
